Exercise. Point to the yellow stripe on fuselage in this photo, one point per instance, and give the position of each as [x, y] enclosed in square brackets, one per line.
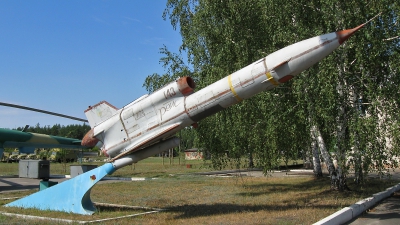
[233, 90]
[271, 79]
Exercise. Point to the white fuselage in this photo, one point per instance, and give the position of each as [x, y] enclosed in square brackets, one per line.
[160, 115]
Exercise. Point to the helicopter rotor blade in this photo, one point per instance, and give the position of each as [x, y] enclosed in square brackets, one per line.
[42, 111]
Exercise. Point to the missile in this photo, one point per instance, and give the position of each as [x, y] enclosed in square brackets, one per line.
[147, 125]
[150, 121]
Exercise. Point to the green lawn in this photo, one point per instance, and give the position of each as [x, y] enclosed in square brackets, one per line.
[195, 199]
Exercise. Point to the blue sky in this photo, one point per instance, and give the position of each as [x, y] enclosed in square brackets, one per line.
[63, 56]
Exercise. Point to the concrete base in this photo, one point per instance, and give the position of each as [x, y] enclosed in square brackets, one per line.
[76, 170]
[46, 184]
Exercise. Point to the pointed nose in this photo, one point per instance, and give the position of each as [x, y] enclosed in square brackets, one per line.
[343, 35]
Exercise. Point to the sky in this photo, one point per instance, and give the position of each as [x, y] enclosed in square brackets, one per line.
[63, 56]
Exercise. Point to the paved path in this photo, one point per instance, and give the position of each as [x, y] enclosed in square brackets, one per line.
[386, 213]
[9, 184]
[14, 183]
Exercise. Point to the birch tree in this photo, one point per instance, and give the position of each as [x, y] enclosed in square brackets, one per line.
[220, 37]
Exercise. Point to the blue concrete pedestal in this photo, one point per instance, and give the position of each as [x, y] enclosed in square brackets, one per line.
[72, 196]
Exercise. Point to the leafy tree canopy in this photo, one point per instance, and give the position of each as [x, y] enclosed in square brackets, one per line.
[352, 95]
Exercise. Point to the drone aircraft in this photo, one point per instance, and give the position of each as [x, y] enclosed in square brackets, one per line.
[147, 126]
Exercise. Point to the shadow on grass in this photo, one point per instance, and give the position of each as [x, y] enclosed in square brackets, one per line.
[299, 201]
[191, 211]
[318, 186]
[277, 186]
[121, 209]
[105, 208]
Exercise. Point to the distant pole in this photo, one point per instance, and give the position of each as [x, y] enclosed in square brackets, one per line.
[170, 155]
[179, 147]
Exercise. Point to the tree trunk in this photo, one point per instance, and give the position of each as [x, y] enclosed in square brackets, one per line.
[251, 161]
[315, 153]
[327, 158]
[341, 184]
[357, 161]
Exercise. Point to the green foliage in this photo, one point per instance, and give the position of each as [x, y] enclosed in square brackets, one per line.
[76, 131]
[221, 37]
[175, 68]
[188, 138]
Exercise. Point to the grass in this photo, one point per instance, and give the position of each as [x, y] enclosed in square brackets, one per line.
[150, 167]
[193, 199]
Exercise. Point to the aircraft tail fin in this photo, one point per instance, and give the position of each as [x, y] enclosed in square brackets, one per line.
[99, 112]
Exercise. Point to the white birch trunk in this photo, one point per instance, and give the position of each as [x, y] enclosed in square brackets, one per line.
[315, 154]
[326, 156]
[340, 183]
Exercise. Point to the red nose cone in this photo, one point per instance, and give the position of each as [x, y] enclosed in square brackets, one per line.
[89, 140]
[343, 35]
